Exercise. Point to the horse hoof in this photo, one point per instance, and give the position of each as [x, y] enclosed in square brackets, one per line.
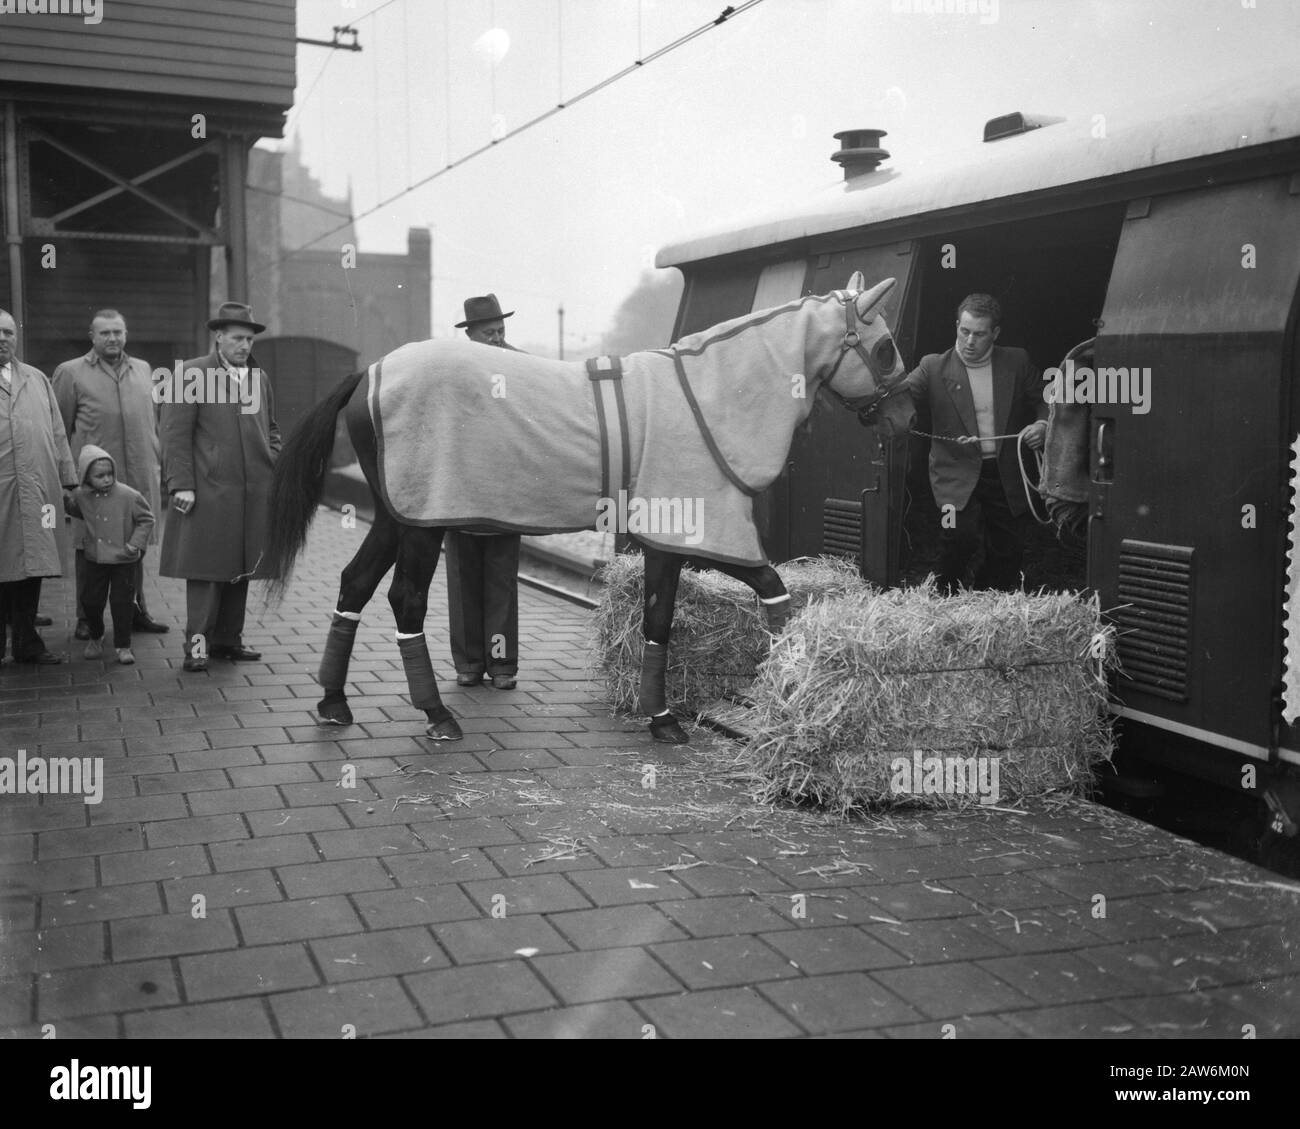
[667, 731]
[446, 730]
[333, 712]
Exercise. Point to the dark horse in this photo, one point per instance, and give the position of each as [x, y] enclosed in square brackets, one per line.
[707, 421]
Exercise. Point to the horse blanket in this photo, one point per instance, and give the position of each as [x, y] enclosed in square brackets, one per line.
[665, 445]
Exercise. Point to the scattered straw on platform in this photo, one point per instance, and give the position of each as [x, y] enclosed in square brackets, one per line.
[719, 631]
[863, 692]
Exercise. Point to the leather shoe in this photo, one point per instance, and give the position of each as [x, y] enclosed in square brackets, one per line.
[82, 631]
[503, 682]
[235, 654]
[469, 679]
[142, 622]
[45, 658]
[43, 621]
[194, 665]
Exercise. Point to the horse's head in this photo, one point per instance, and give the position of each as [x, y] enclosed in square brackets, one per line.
[868, 367]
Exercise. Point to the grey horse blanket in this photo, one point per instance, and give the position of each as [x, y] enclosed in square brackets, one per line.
[475, 436]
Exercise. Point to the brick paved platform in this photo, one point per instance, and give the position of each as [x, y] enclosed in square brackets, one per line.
[526, 882]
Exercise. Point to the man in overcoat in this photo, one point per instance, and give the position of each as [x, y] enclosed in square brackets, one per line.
[967, 396]
[483, 568]
[219, 442]
[106, 399]
[35, 467]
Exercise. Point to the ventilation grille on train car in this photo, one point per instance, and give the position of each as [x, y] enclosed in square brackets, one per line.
[841, 527]
[1155, 618]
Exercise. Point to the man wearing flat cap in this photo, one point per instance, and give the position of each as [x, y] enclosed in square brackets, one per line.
[219, 442]
[483, 568]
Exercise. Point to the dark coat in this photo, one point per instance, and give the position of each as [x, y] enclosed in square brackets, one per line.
[224, 454]
[940, 384]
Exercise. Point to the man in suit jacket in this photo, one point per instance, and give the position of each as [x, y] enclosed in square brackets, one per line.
[219, 443]
[972, 392]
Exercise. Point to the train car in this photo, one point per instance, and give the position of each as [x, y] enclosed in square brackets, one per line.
[1170, 237]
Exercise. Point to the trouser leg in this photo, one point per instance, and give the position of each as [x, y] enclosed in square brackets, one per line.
[121, 601]
[958, 539]
[464, 564]
[96, 580]
[501, 604]
[228, 631]
[202, 605]
[1004, 539]
[24, 595]
[79, 568]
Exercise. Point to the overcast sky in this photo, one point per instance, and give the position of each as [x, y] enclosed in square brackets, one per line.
[573, 210]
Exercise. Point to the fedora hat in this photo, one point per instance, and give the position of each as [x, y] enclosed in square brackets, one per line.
[486, 308]
[236, 313]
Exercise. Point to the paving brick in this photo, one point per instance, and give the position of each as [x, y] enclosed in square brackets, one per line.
[110, 988]
[390, 952]
[255, 776]
[298, 750]
[843, 1001]
[727, 1013]
[100, 904]
[197, 829]
[291, 821]
[247, 972]
[1035, 930]
[503, 988]
[947, 990]
[711, 879]
[142, 866]
[623, 885]
[604, 974]
[1071, 1021]
[47, 817]
[1009, 891]
[640, 850]
[170, 935]
[51, 875]
[719, 962]
[300, 919]
[348, 876]
[616, 927]
[1273, 1006]
[419, 905]
[1182, 1015]
[273, 850]
[90, 841]
[612, 1019]
[505, 760]
[472, 832]
[229, 1019]
[542, 893]
[712, 917]
[930, 942]
[71, 946]
[236, 799]
[434, 867]
[370, 841]
[139, 809]
[489, 938]
[361, 1009]
[196, 780]
[911, 901]
[241, 888]
[842, 948]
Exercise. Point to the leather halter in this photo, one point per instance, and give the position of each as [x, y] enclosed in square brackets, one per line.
[868, 404]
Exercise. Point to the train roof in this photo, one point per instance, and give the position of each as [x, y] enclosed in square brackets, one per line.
[1043, 160]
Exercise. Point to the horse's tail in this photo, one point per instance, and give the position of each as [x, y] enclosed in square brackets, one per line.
[297, 482]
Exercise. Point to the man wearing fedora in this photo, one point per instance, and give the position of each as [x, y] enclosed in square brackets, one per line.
[218, 448]
[483, 568]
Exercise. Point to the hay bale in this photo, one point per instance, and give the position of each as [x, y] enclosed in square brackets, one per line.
[719, 632]
[864, 691]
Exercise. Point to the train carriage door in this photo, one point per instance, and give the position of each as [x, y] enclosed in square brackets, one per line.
[846, 482]
[1187, 508]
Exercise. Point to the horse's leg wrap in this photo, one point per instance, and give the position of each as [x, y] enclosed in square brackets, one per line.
[423, 688]
[653, 699]
[777, 610]
[333, 674]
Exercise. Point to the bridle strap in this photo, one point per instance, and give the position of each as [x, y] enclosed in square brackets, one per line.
[865, 405]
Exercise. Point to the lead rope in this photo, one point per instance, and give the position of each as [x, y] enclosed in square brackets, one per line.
[1030, 488]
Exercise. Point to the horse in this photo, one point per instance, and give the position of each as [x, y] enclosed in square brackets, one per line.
[695, 430]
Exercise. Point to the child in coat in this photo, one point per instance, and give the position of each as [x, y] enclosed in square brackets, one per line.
[118, 521]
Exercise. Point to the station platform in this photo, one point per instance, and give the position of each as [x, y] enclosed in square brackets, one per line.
[556, 873]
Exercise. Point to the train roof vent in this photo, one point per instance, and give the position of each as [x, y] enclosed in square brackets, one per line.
[859, 151]
[1008, 125]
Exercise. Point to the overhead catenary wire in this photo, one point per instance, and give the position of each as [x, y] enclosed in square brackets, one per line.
[726, 14]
